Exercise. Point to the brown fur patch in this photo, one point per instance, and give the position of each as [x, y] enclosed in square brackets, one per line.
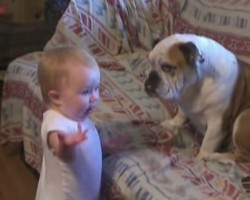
[176, 57]
[235, 122]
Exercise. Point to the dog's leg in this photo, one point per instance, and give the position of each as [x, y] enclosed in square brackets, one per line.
[241, 141]
[228, 158]
[212, 139]
[176, 122]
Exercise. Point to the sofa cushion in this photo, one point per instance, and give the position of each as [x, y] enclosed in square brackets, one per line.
[161, 173]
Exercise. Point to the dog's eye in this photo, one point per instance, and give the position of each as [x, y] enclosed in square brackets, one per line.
[168, 68]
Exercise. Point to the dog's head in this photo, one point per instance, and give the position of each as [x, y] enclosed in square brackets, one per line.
[174, 67]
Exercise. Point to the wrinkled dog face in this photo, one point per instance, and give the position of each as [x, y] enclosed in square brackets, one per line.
[174, 67]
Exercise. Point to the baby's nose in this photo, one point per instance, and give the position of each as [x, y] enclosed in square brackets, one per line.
[94, 97]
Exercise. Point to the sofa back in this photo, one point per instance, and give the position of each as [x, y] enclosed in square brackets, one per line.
[120, 26]
[111, 26]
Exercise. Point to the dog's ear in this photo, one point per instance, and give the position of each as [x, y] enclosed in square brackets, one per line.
[191, 53]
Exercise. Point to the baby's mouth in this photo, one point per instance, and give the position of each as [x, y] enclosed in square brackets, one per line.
[89, 110]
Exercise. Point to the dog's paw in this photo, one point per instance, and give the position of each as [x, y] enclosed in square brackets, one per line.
[223, 158]
[167, 124]
[171, 124]
[202, 155]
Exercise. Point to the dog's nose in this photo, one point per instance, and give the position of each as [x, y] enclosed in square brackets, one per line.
[149, 88]
[151, 83]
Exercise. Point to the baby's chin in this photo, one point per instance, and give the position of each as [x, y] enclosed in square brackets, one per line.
[86, 113]
[83, 115]
[80, 116]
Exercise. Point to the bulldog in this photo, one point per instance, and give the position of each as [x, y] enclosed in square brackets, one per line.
[211, 88]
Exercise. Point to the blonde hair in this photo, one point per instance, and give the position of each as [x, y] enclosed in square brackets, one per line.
[55, 65]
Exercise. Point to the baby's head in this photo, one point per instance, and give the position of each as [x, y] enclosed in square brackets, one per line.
[69, 79]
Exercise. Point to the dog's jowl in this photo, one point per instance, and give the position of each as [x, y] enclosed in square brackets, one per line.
[211, 88]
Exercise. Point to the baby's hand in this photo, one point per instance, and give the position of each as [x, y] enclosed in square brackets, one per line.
[62, 144]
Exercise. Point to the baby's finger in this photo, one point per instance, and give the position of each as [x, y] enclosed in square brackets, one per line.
[79, 136]
[79, 127]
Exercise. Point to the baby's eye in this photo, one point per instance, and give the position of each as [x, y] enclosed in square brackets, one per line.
[85, 92]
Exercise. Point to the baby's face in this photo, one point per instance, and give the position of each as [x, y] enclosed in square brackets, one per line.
[80, 94]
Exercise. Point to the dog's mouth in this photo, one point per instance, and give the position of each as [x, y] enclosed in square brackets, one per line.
[150, 90]
[156, 92]
[154, 86]
[164, 93]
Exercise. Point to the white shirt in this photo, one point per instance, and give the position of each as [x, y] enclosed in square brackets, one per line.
[78, 179]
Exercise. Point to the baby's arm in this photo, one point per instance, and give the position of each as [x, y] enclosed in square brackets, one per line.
[61, 144]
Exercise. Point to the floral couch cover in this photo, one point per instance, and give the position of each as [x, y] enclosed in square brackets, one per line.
[150, 163]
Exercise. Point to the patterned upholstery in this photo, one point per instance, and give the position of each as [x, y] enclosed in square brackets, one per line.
[150, 163]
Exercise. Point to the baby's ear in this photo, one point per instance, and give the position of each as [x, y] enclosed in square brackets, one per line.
[54, 97]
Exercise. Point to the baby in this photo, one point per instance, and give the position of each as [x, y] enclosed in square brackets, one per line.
[69, 79]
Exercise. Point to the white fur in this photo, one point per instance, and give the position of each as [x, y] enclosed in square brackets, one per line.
[217, 75]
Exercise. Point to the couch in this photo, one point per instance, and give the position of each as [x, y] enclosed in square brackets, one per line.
[150, 163]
